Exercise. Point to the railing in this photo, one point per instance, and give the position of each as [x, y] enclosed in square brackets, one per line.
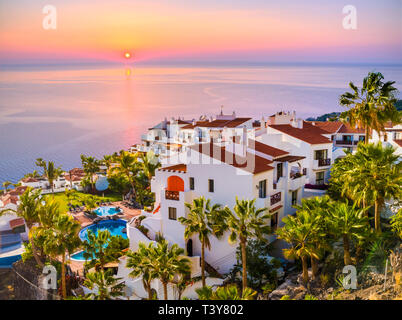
[324, 162]
[344, 142]
[295, 175]
[172, 195]
[275, 198]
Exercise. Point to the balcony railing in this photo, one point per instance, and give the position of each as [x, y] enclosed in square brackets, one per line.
[345, 142]
[172, 195]
[275, 198]
[324, 162]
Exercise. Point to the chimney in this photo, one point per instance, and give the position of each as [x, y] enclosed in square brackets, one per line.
[244, 140]
[262, 124]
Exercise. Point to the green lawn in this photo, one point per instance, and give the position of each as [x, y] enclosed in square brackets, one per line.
[79, 196]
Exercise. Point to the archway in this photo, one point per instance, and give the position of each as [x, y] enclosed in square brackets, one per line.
[175, 183]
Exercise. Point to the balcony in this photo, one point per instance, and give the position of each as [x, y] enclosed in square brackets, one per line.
[324, 162]
[275, 198]
[344, 142]
[172, 195]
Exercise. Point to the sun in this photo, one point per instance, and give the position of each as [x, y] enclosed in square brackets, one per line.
[127, 55]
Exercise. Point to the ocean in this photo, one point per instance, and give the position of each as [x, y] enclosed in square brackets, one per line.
[59, 113]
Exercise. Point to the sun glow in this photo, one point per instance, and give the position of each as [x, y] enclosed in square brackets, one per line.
[127, 55]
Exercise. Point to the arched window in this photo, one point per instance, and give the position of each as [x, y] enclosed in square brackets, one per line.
[175, 183]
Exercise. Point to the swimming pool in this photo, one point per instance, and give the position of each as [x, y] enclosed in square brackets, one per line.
[107, 211]
[115, 227]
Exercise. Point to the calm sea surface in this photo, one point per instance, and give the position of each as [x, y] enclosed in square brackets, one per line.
[58, 114]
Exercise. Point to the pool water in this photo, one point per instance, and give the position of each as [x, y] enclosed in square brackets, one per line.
[114, 226]
[107, 211]
[79, 256]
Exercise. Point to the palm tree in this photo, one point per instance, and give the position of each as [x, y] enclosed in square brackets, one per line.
[229, 292]
[149, 163]
[371, 106]
[6, 184]
[127, 165]
[198, 222]
[70, 195]
[168, 263]
[105, 285]
[49, 171]
[94, 247]
[141, 264]
[246, 222]
[28, 209]
[61, 239]
[107, 161]
[91, 166]
[90, 203]
[371, 176]
[317, 208]
[349, 223]
[298, 231]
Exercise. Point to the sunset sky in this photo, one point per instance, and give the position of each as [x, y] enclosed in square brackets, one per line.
[207, 30]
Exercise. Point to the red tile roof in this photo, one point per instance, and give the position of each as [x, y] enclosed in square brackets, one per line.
[309, 133]
[264, 148]
[250, 163]
[335, 127]
[29, 179]
[399, 142]
[218, 123]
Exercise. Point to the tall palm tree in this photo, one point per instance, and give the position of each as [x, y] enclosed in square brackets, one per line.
[349, 223]
[61, 239]
[371, 106]
[168, 263]
[371, 176]
[49, 171]
[28, 209]
[141, 264]
[105, 285]
[127, 165]
[6, 184]
[298, 231]
[90, 166]
[198, 222]
[246, 222]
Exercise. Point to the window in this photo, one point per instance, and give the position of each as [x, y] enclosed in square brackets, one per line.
[361, 138]
[294, 197]
[191, 183]
[262, 189]
[274, 221]
[321, 154]
[172, 213]
[279, 170]
[210, 185]
[319, 178]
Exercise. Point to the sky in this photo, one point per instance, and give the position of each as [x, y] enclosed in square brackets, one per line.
[181, 31]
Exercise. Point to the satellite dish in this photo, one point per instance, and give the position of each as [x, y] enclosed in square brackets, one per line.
[101, 184]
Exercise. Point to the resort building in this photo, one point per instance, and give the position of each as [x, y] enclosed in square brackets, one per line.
[219, 171]
[391, 136]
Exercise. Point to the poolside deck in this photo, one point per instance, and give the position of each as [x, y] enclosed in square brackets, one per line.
[128, 214]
